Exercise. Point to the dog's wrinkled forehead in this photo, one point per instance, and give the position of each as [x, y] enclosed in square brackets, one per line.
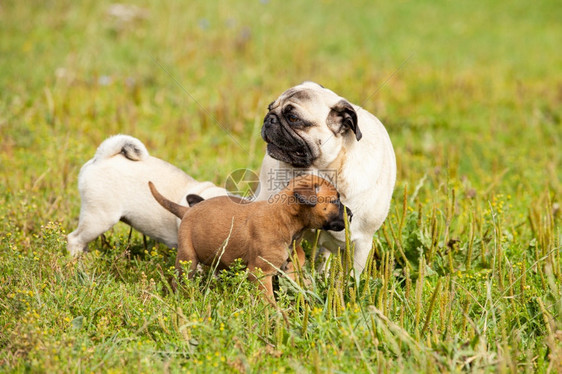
[305, 93]
[313, 182]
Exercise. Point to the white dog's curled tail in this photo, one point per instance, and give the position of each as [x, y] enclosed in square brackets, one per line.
[128, 146]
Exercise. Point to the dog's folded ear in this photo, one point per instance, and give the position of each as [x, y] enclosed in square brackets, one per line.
[343, 117]
[193, 199]
[308, 199]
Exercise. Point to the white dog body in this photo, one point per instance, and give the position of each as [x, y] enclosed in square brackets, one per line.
[114, 187]
[363, 164]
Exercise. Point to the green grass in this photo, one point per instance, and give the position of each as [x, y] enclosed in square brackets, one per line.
[466, 273]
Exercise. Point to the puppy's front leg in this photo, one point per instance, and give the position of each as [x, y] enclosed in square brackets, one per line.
[267, 286]
[265, 283]
[291, 268]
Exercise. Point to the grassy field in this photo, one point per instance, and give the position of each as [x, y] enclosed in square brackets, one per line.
[466, 273]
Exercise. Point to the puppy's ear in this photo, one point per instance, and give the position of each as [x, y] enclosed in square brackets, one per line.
[343, 117]
[193, 199]
[306, 199]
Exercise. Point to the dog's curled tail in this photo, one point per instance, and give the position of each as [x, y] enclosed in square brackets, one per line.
[126, 145]
[176, 209]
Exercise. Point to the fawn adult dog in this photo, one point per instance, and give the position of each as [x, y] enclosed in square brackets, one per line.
[112, 187]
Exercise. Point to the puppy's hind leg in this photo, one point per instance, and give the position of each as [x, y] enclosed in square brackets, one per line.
[90, 226]
[186, 253]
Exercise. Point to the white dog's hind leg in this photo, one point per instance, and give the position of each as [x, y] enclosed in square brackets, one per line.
[90, 227]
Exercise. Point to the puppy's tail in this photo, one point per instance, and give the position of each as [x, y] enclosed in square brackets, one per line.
[126, 145]
[176, 209]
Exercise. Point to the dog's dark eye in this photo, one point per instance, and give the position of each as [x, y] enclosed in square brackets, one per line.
[292, 118]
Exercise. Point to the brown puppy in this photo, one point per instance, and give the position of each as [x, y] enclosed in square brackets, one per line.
[221, 230]
[290, 267]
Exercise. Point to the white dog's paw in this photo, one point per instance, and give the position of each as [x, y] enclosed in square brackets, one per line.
[74, 247]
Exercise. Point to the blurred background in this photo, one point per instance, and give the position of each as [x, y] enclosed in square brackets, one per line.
[468, 92]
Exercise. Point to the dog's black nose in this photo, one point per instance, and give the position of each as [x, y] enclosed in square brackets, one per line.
[335, 225]
[270, 120]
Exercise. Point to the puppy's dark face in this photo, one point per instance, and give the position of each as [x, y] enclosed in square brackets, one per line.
[306, 125]
[336, 221]
[321, 201]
